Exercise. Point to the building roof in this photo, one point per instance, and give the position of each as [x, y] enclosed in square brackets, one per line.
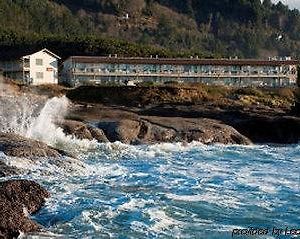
[15, 54]
[47, 51]
[180, 61]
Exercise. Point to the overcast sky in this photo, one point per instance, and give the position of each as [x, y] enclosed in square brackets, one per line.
[291, 3]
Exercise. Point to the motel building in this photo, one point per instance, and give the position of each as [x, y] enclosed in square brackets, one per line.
[36, 68]
[84, 70]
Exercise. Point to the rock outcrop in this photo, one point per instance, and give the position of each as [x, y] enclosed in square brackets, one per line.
[161, 129]
[17, 146]
[19, 199]
[81, 130]
[206, 123]
[268, 129]
[258, 123]
[6, 170]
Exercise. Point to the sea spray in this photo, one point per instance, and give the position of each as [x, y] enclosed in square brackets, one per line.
[43, 127]
[18, 111]
[35, 117]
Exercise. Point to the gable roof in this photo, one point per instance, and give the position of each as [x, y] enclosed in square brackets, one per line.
[15, 54]
[46, 51]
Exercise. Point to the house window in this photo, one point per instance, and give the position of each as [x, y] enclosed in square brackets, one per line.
[39, 75]
[39, 62]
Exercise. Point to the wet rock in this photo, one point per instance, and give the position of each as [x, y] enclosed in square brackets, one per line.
[125, 131]
[171, 129]
[18, 198]
[260, 124]
[17, 146]
[265, 129]
[82, 131]
[6, 170]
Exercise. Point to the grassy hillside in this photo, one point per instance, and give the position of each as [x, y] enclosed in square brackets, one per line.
[246, 28]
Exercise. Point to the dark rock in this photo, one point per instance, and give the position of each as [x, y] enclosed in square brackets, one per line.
[260, 124]
[165, 129]
[6, 170]
[125, 131]
[98, 134]
[264, 129]
[17, 146]
[203, 130]
[82, 131]
[17, 198]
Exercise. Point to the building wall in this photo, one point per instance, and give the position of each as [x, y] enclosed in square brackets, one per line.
[76, 73]
[43, 68]
[26, 69]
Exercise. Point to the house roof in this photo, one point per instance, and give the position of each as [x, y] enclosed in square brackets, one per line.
[181, 61]
[15, 54]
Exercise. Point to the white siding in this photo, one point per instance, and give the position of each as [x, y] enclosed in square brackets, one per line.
[49, 68]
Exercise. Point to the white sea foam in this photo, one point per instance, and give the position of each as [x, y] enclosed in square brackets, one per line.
[35, 117]
[181, 179]
[162, 222]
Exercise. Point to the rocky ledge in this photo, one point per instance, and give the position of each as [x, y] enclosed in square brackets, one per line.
[149, 130]
[6, 170]
[206, 123]
[18, 200]
[18, 146]
[129, 127]
[261, 124]
[157, 114]
[82, 131]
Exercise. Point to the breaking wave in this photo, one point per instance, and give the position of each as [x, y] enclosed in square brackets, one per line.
[177, 190]
[169, 191]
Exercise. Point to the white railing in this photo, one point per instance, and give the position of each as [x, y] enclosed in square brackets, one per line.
[184, 75]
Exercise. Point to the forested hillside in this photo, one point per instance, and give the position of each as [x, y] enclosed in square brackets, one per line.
[218, 28]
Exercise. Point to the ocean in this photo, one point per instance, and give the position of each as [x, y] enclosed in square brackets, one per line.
[165, 190]
[169, 191]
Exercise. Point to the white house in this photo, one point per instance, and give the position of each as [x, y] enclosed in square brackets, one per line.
[37, 68]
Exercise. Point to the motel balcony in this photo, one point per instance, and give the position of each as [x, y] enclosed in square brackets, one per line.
[210, 74]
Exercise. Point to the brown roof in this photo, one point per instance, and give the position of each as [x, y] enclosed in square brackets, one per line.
[180, 61]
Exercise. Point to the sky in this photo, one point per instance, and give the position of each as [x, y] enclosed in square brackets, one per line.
[292, 3]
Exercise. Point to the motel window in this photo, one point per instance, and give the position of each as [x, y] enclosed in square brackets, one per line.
[39, 62]
[39, 75]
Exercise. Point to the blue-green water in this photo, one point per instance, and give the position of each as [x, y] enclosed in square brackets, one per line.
[170, 191]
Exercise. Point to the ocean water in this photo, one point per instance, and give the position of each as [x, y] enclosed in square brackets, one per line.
[168, 191]
[154, 191]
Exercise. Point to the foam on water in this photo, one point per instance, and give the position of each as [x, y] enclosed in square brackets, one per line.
[176, 190]
[35, 117]
[169, 191]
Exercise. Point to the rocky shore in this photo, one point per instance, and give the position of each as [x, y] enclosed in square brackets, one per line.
[21, 198]
[18, 200]
[179, 123]
[129, 127]
[145, 116]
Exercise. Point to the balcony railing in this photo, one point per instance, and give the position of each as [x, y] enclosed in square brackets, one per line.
[185, 74]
